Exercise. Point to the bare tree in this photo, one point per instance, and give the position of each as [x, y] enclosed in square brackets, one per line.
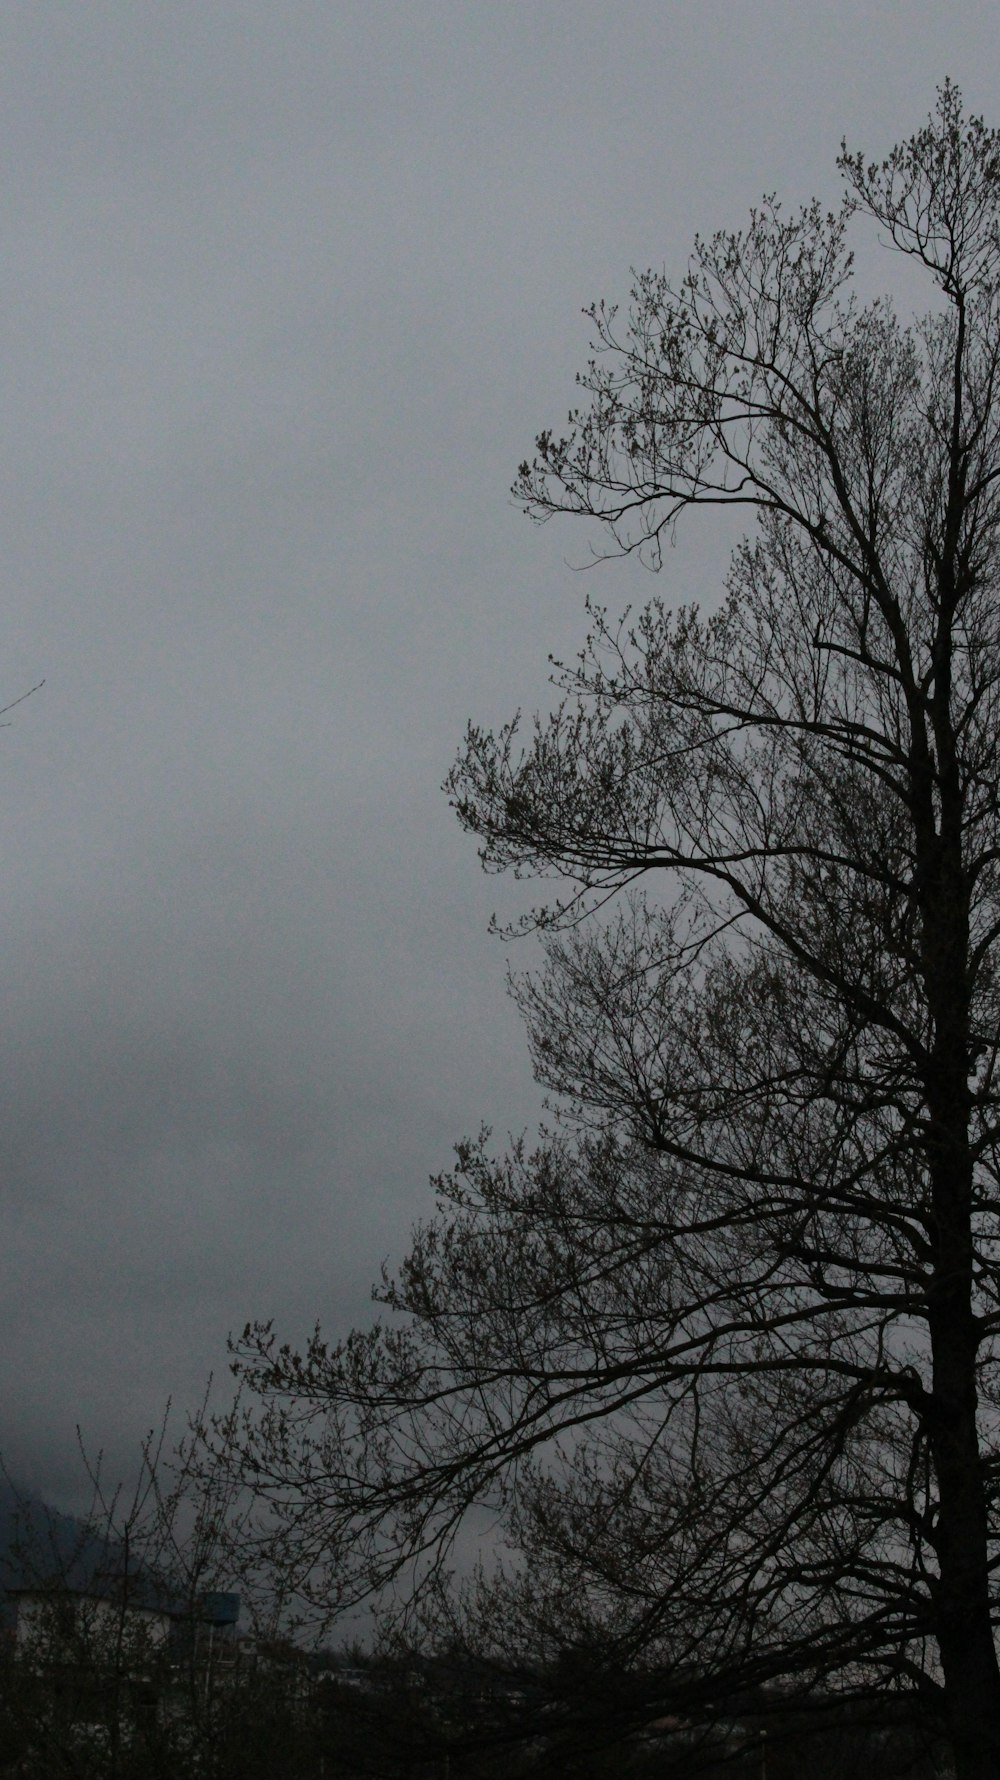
[724, 1350]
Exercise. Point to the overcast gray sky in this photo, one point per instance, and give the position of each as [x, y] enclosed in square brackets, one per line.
[287, 291]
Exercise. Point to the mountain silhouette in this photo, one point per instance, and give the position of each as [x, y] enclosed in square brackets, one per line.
[43, 1545]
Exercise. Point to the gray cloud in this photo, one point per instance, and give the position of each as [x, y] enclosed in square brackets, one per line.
[286, 292]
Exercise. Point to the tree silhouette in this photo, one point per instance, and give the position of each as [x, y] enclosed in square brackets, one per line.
[723, 1350]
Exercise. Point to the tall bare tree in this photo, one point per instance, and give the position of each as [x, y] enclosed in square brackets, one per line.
[724, 1350]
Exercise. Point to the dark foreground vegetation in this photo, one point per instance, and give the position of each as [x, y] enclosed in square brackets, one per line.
[273, 1712]
[122, 1659]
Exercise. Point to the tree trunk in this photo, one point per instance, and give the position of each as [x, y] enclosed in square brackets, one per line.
[965, 1634]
